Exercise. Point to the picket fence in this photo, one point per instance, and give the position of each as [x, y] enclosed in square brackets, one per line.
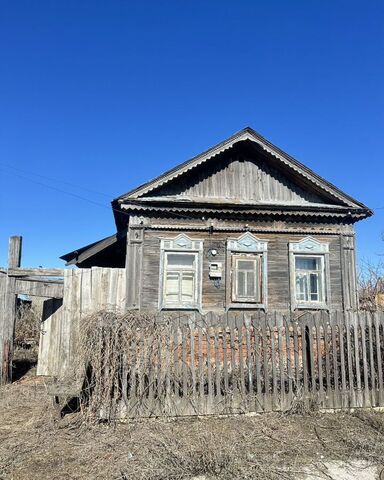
[241, 363]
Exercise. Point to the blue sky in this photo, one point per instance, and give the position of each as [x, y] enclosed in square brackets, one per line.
[97, 97]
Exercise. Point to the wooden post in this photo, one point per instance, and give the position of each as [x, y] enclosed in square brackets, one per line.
[133, 265]
[8, 311]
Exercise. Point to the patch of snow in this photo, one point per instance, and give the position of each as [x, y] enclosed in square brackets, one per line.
[353, 470]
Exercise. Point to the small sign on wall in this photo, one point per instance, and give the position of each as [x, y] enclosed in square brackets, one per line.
[215, 270]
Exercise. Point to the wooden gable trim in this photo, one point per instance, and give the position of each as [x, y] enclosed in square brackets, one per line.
[243, 135]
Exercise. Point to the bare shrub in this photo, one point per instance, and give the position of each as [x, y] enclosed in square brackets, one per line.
[371, 286]
[115, 349]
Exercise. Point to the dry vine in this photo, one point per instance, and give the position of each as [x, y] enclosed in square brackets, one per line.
[118, 351]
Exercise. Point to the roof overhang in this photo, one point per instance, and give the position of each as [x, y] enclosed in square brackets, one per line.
[89, 252]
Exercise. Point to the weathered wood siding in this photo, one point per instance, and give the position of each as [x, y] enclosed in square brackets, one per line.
[85, 291]
[241, 178]
[214, 298]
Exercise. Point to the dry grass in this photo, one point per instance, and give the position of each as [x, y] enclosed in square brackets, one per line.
[35, 444]
[28, 324]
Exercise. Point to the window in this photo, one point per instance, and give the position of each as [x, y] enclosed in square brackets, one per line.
[309, 278]
[309, 264]
[246, 284]
[247, 272]
[180, 273]
[180, 279]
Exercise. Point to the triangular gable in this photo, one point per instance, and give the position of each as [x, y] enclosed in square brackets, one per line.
[314, 187]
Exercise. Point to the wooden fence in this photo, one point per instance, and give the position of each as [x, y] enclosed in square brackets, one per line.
[14, 281]
[256, 363]
[85, 291]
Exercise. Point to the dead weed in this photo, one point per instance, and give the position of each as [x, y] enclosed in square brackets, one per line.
[35, 444]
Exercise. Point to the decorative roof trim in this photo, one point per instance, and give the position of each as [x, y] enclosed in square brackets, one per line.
[186, 211]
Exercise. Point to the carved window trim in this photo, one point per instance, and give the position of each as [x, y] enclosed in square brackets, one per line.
[311, 248]
[181, 244]
[247, 245]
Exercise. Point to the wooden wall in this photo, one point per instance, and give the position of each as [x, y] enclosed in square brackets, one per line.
[342, 280]
[85, 291]
[240, 176]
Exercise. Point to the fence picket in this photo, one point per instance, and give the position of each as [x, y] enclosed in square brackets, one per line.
[379, 359]
[343, 392]
[372, 373]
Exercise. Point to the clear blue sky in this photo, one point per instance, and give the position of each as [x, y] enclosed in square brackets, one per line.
[105, 95]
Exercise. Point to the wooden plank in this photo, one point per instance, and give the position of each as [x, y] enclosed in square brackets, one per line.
[184, 336]
[364, 358]
[341, 326]
[168, 358]
[335, 362]
[303, 325]
[217, 365]
[267, 393]
[14, 252]
[319, 355]
[359, 397]
[34, 272]
[282, 363]
[8, 319]
[239, 325]
[310, 350]
[351, 380]
[287, 325]
[378, 357]
[201, 365]
[233, 355]
[191, 325]
[296, 354]
[372, 386]
[225, 355]
[250, 369]
[177, 359]
[325, 323]
[209, 366]
[272, 329]
[3, 283]
[256, 326]
[39, 289]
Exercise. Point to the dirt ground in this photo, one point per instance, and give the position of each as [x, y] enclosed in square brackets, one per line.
[35, 444]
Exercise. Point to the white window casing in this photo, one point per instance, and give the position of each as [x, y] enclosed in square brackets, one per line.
[180, 280]
[247, 279]
[309, 274]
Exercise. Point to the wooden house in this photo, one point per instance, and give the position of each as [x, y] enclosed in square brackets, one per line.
[242, 226]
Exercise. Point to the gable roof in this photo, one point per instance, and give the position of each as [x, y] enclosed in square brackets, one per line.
[286, 162]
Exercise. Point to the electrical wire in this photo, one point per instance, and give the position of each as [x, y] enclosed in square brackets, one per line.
[93, 202]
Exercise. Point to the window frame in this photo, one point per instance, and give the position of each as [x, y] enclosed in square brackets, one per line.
[181, 244]
[257, 259]
[246, 246]
[310, 248]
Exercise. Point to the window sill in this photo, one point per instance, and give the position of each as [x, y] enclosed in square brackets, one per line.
[311, 306]
[178, 307]
[246, 306]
